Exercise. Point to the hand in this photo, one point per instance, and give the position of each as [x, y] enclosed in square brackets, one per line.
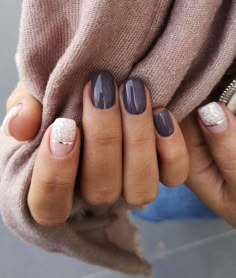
[211, 144]
[119, 157]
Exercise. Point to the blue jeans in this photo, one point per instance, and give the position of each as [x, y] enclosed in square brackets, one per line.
[175, 203]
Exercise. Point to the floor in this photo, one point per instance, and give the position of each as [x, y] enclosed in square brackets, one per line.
[176, 249]
[196, 249]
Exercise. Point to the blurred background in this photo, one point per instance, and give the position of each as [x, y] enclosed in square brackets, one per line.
[176, 249]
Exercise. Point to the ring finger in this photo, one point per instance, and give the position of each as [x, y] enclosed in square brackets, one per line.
[140, 176]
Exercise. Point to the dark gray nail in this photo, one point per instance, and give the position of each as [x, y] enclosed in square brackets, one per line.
[103, 92]
[163, 123]
[134, 96]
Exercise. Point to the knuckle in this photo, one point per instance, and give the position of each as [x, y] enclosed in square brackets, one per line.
[50, 201]
[46, 212]
[229, 165]
[105, 195]
[226, 157]
[141, 140]
[173, 182]
[173, 179]
[106, 140]
[175, 156]
[103, 134]
[172, 157]
[143, 188]
[140, 198]
[183, 176]
[148, 170]
[50, 221]
[142, 133]
[52, 185]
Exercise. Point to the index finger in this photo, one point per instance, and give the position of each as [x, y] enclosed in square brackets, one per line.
[51, 192]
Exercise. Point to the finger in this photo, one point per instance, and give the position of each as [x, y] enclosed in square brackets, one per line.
[140, 177]
[171, 147]
[101, 177]
[51, 192]
[218, 125]
[204, 179]
[24, 115]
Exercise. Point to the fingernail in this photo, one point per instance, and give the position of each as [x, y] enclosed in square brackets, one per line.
[103, 90]
[213, 117]
[163, 123]
[134, 96]
[63, 136]
[7, 120]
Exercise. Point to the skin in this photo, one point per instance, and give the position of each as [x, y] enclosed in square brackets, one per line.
[193, 153]
[212, 172]
[118, 146]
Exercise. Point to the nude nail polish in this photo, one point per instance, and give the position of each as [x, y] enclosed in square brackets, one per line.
[7, 120]
[213, 117]
[63, 136]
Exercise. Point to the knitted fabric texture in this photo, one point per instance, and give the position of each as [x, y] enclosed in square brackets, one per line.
[181, 49]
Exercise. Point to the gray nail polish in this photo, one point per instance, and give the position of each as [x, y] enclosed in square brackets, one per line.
[163, 123]
[103, 90]
[134, 96]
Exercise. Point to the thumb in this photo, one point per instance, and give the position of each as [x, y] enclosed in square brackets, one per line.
[24, 114]
[218, 125]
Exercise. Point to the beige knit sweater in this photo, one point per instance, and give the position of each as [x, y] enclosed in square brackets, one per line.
[180, 48]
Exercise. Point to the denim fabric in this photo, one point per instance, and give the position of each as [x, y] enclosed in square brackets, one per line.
[175, 203]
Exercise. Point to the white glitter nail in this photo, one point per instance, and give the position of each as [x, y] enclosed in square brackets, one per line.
[63, 131]
[212, 114]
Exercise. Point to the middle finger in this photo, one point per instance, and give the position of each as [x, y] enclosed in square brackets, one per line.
[101, 179]
[140, 177]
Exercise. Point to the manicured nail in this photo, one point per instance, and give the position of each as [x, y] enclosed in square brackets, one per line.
[213, 117]
[134, 96]
[7, 120]
[63, 136]
[103, 90]
[163, 123]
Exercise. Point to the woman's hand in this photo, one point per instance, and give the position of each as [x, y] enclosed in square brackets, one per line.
[212, 151]
[125, 152]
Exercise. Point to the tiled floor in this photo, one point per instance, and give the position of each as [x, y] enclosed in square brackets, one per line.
[176, 249]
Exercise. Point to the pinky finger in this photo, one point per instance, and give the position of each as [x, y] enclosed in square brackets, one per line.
[171, 148]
